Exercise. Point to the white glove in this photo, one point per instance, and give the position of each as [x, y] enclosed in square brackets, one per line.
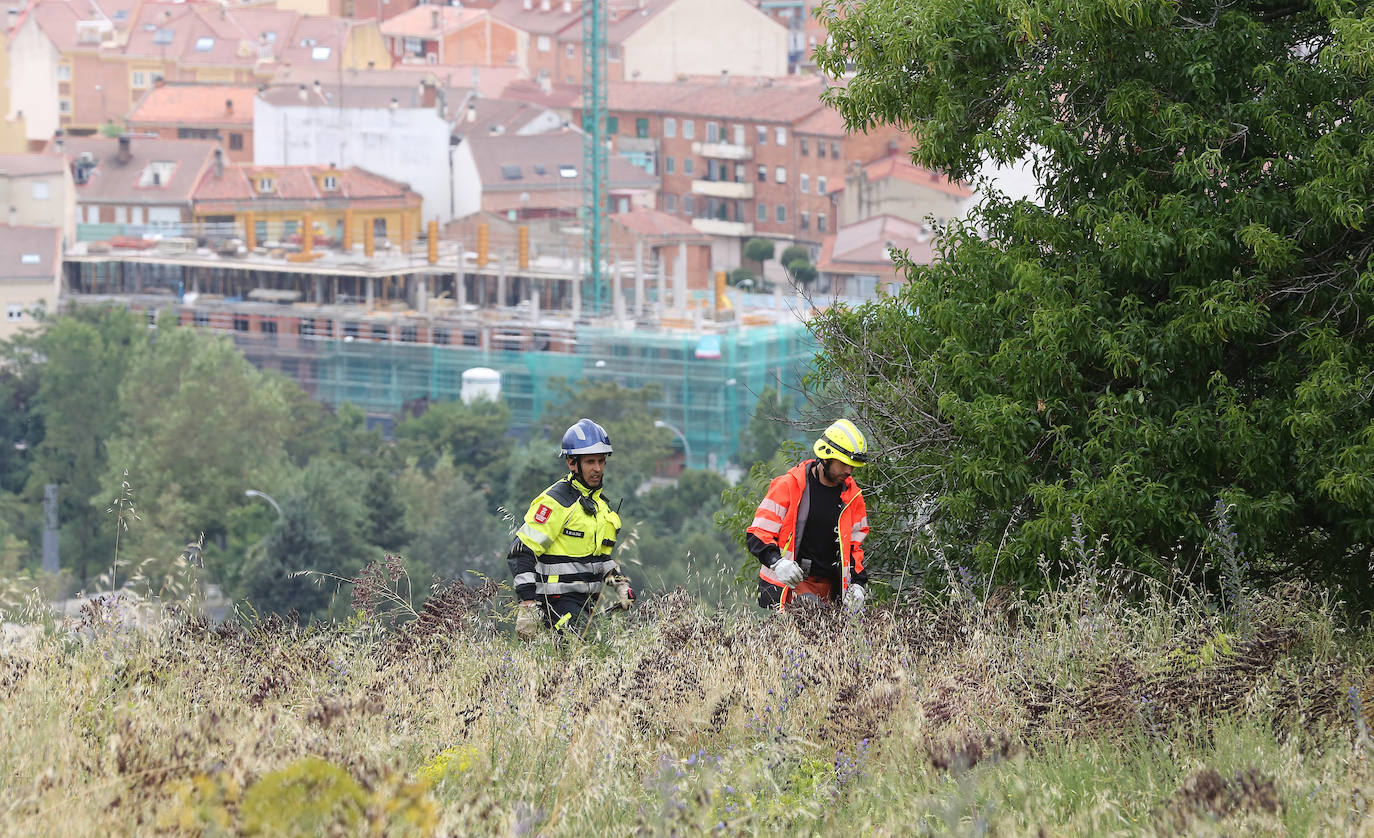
[788, 572]
[529, 620]
[619, 594]
[854, 597]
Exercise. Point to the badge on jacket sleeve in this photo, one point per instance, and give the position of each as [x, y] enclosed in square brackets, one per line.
[542, 514]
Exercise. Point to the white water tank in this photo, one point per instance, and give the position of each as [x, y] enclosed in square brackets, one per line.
[481, 383]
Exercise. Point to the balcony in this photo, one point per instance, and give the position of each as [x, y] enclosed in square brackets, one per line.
[725, 151]
[723, 189]
[716, 227]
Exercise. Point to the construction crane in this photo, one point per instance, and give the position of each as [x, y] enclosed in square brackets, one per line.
[594, 163]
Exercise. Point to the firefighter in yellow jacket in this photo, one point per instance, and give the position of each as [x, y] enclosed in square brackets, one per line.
[809, 530]
[561, 555]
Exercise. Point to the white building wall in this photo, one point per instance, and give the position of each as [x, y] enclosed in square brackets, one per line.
[705, 37]
[410, 145]
[33, 81]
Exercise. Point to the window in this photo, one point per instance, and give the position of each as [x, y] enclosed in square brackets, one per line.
[205, 44]
[820, 185]
[567, 171]
[820, 148]
[689, 129]
[64, 72]
[544, 45]
[712, 132]
[782, 135]
[319, 54]
[472, 339]
[289, 228]
[240, 324]
[14, 312]
[781, 174]
[669, 165]
[805, 147]
[782, 214]
[350, 330]
[264, 185]
[511, 171]
[267, 327]
[740, 173]
[163, 37]
[763, 213]
[805, 220]
[157, 173]
[642, 127]
[408, 334]
[64, 106]
[688, 205]
[835, 150]
[613, 52]
[235, 142]
[201, 318]
[670, 202]
[381, 332]
[763, 173]
[330, 183]
[805, 183]
[260, 231]
[441, 337]
[820, 221]
[30, 259]
[41, 191]
[414, 46]
[669, 127]
[688, 165]
[739, 135]
[570, 52]
[763, 135]
[612, 125]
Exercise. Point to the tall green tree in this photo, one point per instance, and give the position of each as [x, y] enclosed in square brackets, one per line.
[474, 435]
[1185, 317]
[200, 426]
[79, 362]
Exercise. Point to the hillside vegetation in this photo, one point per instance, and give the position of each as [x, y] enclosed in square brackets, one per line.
[1107, 705]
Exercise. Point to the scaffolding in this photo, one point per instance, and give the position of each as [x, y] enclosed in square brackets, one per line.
[708, 385]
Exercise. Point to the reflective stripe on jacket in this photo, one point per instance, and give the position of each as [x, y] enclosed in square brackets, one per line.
[561, 548]
[781, 518]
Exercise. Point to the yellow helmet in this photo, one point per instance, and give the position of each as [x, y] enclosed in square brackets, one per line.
[844, 442]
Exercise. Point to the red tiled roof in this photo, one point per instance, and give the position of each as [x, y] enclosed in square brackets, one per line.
[535, 20]
[56, 18]
[538, 158]
[419, 21]
[823, 123]
[781, 100]
[560, 96]
[31, 164]
[311, 36]
[115, 182]
[899, 167]
[863, 247]
[198, 104]
[650, 222]
[296, 183]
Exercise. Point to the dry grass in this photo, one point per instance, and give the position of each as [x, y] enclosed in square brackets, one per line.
[1081, 712]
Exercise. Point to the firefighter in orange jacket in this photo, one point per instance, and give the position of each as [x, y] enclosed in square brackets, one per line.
[809, 530]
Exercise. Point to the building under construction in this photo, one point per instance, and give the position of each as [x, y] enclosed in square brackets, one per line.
[388, 329]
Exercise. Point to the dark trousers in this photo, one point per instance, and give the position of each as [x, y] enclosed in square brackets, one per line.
[576, 607]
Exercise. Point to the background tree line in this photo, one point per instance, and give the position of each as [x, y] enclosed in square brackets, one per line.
[98, 392]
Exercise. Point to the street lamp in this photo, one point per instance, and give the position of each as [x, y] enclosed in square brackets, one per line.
[254, 493]
[686, 449]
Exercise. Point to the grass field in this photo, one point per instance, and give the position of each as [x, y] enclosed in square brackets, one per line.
[1084, 711]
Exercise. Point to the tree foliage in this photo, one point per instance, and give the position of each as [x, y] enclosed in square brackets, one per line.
[1184, 319]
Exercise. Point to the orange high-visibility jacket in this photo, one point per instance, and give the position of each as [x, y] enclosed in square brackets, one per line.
[781, 519]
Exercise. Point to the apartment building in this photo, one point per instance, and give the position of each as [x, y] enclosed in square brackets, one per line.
[650, 40]
[857, 261]
[30, 275]
[342, 206]
[182, 111]
[128, 186]
[83, 73]
[454, 36]
[36, 188]
[741, 157]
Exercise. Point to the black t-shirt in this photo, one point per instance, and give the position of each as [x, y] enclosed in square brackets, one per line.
[820, 541]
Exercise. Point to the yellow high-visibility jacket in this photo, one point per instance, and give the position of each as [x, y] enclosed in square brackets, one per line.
[565, 543]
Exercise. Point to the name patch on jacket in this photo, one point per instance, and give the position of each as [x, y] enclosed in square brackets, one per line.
[573, 533]
[542, 514]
